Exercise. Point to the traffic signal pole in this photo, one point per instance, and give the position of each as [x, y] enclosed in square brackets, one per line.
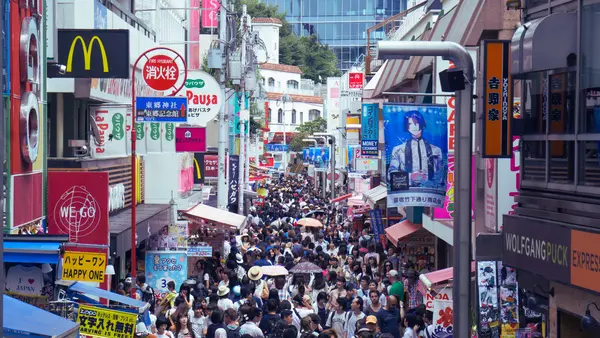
[223, 126]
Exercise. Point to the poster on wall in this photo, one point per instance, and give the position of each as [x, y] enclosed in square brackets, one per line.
[447, 211]
[416, 154]
[487, 285]
[170, 237]
[320, 158]
[163, 267]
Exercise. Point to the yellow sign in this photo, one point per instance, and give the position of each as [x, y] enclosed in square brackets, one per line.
[37, 301]
[87, 53]
[84, 266]
[99, 322]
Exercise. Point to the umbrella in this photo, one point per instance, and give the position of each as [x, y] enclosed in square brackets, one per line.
[274, 270]
[306, 267]
[314, 212]
[310, 223]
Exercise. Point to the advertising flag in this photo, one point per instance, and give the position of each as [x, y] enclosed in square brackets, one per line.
[320, 158]
[370, 129]
[416, 152]
[234, 171]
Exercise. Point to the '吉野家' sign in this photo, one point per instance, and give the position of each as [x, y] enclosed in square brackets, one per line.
[161, 109]
[84, 266]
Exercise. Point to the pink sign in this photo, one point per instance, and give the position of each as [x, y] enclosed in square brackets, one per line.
[190, 139]
[194, 35]
[447, 211]
[186, 179]
[210, 17]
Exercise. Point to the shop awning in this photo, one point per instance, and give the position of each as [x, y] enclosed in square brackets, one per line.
[400, 230]
[369, 89]
[356, 201]
[86, 289]
[426, 281]
[37, 249]
[206, 213]
[341, 198]
[23, 320]
[150, 218]
[375, 195]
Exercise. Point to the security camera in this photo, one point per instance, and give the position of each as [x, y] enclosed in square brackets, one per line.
[61, 69]
[216, 119]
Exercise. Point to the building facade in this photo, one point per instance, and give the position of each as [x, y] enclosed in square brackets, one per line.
[341, 24]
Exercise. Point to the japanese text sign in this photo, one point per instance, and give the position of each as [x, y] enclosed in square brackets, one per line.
[204, 97]
[210, 13]
[497, 96]
[277, 147]
[369, 143]
[99, 322]
[558, 104]
[199, 251]
[161, 72]
[211, 166]
[356, 80]
[190, 139]
[234, 170]
[84, 266]
[161, 109]
[163, 267]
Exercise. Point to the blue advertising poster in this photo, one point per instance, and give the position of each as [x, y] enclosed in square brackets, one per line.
[369, 132]
[306, 156]
[277, 147]
[320, 158]
[163, 267]
[377, 224]
[416, 153]
[353, 154]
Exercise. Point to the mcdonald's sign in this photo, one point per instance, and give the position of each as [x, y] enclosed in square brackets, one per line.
[93, 53]
[199, 167]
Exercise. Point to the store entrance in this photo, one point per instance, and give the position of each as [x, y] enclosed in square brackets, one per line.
[569, 326]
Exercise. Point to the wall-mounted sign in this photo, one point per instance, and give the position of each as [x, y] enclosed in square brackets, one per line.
[89, 318]
[369, 143]
[94, 53]
[160, 72]
[84, 266]
[356, 80]
[161, 109]
[190, 139]
[204, 97]
[199, 251]
[497, 96]
[199, 168]
[277, 147]
[210, 13]
[234, 171]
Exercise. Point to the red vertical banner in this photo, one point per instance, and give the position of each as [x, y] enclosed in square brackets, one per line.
[194, 35]
[210, 13]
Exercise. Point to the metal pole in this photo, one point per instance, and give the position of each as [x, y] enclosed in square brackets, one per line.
[241, 167]
[416, 94]
[462, 217]
[133, 182]
[332, 167]
[3, 136]
[285, 154]
[223, 132]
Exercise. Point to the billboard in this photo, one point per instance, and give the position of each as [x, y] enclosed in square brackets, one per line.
[416, 154]
[369, 138]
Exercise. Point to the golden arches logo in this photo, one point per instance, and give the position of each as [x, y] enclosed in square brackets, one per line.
[198, 171]
[87, 53]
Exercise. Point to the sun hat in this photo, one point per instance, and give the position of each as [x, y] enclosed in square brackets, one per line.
[254, 273]
[223, 290]
[238, 258]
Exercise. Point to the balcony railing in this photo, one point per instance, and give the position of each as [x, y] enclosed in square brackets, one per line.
[130, 18]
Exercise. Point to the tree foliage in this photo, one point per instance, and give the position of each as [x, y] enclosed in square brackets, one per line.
[306, 129]
[316, 60]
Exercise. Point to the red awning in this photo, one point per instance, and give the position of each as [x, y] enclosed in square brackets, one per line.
[399, 230]
[258, 178]
[341, 198]
[437, 277]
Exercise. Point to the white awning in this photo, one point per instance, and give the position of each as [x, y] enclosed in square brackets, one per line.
[203, 212]
[375, 195]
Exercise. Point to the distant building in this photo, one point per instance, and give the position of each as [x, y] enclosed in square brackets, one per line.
[341, 24]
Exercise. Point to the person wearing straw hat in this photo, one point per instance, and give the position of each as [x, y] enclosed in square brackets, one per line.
[224, 302]
[260, 287]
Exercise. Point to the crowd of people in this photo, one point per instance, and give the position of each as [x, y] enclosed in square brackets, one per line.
[353, 286]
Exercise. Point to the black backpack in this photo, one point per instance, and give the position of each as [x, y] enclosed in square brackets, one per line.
[235, 333]
[149, 297]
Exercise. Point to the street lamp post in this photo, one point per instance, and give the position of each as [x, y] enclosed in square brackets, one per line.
[332, 160]
[285, 98]
[462, 161]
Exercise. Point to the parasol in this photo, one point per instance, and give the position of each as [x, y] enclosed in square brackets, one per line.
[274, 270]
[310, 223]
[306, 267]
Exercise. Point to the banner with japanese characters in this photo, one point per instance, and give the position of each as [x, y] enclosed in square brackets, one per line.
[99, 322]
[416, 152]
[234, 171]
[443, 317]
[84, 266]
[163, 267]
[369, 132]
[497, 100]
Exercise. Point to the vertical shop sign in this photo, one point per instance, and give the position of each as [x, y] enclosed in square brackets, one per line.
[497, 96]
[370, 129]
[557, 112]
[210, 13]
[356, 80]
[234, 162]
[78, 205]
[491, 194]
[211, 166]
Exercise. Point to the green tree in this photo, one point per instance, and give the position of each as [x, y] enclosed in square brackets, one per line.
[316, 60]
[317, 125]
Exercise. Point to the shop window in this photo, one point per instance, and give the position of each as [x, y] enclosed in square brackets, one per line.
[561, 102]
[590, 102]
[589, 174]
[534, 105]
[534, 160]
[562, 162]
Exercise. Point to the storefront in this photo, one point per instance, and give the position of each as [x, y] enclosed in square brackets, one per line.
[563, 259]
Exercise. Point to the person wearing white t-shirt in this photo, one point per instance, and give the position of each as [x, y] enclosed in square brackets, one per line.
[356, 314]
[25, 280]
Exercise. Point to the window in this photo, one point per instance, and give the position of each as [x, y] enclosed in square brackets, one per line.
[313, 114]
[292, 84]
[271, 82]
[262, 81]
[270, 117]
[280, 116]
[293, 116]
[301, 117]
